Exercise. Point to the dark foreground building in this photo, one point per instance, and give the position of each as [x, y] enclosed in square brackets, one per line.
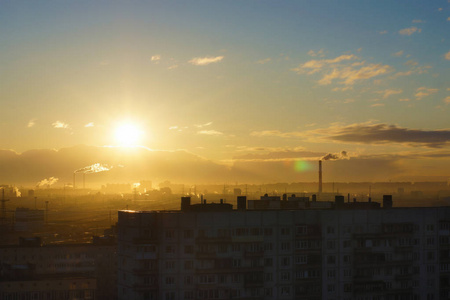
[32, 271]
[208, 251]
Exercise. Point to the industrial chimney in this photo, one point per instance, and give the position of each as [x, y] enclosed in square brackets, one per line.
[320, 176]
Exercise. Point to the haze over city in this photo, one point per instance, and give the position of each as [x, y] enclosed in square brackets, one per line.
[224, 91]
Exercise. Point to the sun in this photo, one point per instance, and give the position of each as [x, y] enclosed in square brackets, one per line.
[128, 134]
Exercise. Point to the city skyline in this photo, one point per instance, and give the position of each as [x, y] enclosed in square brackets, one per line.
[244, 86]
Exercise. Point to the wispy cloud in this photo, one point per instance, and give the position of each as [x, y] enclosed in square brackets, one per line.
[156, 58]
[404, 100]
[342, 68]
[31, 123]
[410, 30]
[447, 55]
[319, 53]
[424, 92]
[389, 92]
[203, 61]
[264, 61]
[383, 32]
[210, 132]
[418, 21]
[447, 100]
[378, 105]
[398, 54]
[203, 125]
[90, 124]
[59, 124]
[368, 133]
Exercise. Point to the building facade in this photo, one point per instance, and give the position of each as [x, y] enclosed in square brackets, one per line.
[398, 253]
[54, 272]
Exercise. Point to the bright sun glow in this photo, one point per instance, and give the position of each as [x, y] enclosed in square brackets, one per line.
[128, 134]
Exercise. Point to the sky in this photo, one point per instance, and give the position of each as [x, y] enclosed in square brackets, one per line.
[243, 84]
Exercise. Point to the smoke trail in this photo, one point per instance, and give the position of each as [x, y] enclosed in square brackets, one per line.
[47, 182]
[95, 168]
[332, 156]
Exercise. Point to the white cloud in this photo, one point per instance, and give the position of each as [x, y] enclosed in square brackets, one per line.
[172, 67]
[383, 32]
[31, 123]
[423, 92]
[173, 127]
[447, 55]
[389, 92]
[90, 124]
[203, 61]
[398, 54]
[210, 132]
[156, 58]
[410, 31]
[59, 124]
[377, 105]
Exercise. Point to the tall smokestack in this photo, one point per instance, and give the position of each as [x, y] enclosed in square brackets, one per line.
[320, 176]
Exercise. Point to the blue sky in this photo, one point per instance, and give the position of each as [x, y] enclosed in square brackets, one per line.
[223, 78]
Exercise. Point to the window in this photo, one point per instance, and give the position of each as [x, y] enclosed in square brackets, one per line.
[188, 249]
[170, 265]
[268, 262]
[170, 280]
[347, 259]
[347, 244]
[268, 231]
[301, 259]
[331, 288]
[268, 246]
[188, 280]
[331, 245]
[330, 230]
[170, 249]
[170, 234]
[236, 263]
[285, 231]
[188, 233]
[188, 265]
[285, 276]
[331, 273]
[285, 290]
[285, 246]
[285, 261]
[302, 230]
[331, 259]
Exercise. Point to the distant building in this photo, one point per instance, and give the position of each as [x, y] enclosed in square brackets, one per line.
[356, 251]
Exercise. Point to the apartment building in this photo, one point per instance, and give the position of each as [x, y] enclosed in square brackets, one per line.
[210, 251]
[31, 270]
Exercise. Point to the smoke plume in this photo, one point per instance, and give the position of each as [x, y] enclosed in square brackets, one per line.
[47, 182]
[95, 168]
[332, 156]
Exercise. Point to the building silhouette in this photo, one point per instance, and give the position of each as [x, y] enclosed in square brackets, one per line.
[349, 251]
